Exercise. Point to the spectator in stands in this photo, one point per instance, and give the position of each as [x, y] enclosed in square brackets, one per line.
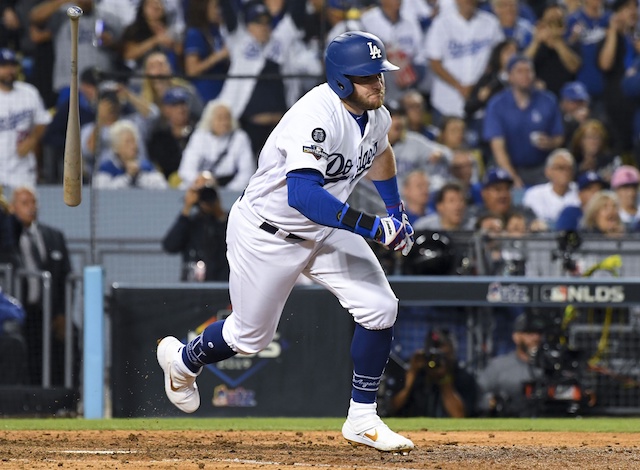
[502, 382]
[432, 384]
[587, 28]
[516, 225]
[450, 212]
[590, 147]
[458, 45]
[42, 248]
[574, 104]
[150, 31]
[205, 50]
[589, 183]
[127, 10]
[169, 136]
[415, 194]
[24, 121]
[625, 182]
[199, 233]
[522, 125]
[616, 50]
[497, 198]
[8, 253]
[116, 101]
[456, 135]
[159, 78]
[555, 61]
[258, 49]
[403, 40]
[52, 14]
[10, 25]
[13, 348]
[463, 166]
[494, 79]
[55, 135]
[414, 151]
[602, 215]
[414, 105]
[126, 168]
[343, 16]
[630, 86]
[219, 146]
[36, 43]
[548, 199]
[513, 25]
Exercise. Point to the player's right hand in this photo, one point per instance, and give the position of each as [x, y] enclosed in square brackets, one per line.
[391, 233]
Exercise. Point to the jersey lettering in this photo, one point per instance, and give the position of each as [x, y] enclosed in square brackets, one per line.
[374, 51]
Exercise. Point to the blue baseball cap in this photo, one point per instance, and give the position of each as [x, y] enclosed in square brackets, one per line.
[176, 95]
[254, 11]
[588, 178]
[7, 56]
[574, 91]
[517, 58]
[496, 175]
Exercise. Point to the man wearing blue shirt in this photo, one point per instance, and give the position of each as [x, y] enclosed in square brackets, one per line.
[522, 125]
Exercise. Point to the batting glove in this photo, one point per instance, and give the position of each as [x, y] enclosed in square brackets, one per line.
[391, 233]
[399, 213]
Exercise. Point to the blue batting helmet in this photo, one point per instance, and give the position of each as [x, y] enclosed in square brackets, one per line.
[354, 53]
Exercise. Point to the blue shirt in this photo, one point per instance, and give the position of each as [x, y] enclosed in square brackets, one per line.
[505, 119]
[197, 43]
[593, 33]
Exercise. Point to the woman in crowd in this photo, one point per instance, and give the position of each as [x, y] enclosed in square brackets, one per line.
[205, 50]
[602, 215]
[590, 148]
[218, 145]
[159, 79]
[150, 31]
[126, 168]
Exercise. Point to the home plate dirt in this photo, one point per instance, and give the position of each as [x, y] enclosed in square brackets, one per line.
[313, 450]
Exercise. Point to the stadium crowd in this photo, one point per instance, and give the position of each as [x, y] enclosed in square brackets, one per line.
[508, 117]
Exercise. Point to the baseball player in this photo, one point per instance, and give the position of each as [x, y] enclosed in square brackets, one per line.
[293, 219]
[23, 120]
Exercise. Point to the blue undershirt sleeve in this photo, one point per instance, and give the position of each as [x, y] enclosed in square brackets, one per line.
[307, 195]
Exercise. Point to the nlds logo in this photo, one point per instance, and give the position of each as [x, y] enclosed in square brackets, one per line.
[584, 294]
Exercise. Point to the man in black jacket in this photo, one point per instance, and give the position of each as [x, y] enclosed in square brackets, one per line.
[199, 234]
[42, 248]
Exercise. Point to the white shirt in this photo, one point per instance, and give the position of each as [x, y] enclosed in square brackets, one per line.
[21, 109]
[316, 133]
[222, 155]
[546, 203]
[464, 48]
[403, 42]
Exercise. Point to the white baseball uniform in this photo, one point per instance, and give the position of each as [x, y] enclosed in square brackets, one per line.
[464, 48]
[21, 109]
[316, 133]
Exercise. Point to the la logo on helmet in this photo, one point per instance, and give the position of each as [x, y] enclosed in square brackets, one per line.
[374, 51]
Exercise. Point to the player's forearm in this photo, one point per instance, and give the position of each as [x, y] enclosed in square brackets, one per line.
[384, 166]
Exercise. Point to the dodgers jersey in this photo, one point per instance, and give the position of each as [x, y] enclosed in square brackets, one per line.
[464, 48]
[21, 109]
[316, 133]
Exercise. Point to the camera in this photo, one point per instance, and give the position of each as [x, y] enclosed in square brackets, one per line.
[208, 193]
[435, 355]
[568, 242]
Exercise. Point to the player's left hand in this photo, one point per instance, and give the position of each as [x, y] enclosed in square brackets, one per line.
[399, 213]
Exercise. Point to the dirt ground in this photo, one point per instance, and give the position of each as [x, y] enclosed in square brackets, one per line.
[312, 450]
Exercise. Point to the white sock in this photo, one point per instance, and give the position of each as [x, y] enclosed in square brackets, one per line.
[356, 410]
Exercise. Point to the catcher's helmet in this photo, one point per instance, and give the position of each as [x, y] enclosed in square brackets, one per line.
[354, 53]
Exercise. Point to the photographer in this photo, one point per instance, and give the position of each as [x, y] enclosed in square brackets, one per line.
[432, 384]
[502, 383]
[199, 234]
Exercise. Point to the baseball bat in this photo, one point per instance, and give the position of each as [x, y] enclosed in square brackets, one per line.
[72, 177]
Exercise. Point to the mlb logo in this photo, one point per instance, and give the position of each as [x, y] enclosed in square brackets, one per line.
[558, 294]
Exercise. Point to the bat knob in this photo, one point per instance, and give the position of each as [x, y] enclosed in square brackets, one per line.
[74, 12]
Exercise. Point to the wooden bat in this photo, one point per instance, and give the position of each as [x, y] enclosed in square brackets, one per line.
[72, 178]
